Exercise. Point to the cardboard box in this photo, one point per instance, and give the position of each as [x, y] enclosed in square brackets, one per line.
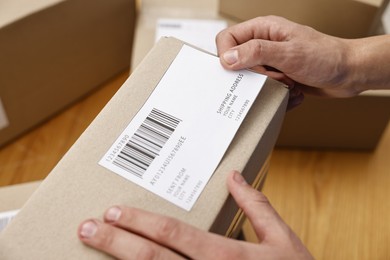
[54, 52]
[342, 18]
[78, 188]
[350, 123]
[153, 10]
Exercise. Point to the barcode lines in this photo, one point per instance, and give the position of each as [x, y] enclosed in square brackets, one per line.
[146, 143]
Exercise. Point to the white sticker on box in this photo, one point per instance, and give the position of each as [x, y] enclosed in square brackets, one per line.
[175, 142]
[3, 117]
[6, 217]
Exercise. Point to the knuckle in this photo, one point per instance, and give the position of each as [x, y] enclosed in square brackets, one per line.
[255, 198]
[260, 197]
[105, 239]
[167, 229]
[220, 35]
[228, 253]
[147, 252]
[255, 47]
[258, 47]
[223, 35]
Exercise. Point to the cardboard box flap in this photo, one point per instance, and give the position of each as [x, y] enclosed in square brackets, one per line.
[11, 11]
[78, 188]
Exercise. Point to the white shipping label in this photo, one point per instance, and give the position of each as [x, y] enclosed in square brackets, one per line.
[3, 117]
[177, 139]
[6, 217]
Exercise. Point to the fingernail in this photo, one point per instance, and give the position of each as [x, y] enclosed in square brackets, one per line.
[88, 229]
[238, 178]
[113, 214]
[231, 56]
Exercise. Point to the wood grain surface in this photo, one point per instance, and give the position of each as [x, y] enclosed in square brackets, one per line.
[33, 155]
[336, 201]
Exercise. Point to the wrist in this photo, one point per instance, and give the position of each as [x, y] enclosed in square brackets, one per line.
[367, 60]
[354, 80]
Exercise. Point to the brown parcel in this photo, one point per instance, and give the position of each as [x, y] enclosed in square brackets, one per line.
[78, 188]
[342, 18]
[53, 52]
[352, 123]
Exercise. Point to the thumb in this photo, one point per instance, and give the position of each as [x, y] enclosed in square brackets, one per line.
[255, 52]
[266, 222]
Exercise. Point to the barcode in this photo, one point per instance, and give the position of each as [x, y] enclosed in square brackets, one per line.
[6, 217]
[146, 143]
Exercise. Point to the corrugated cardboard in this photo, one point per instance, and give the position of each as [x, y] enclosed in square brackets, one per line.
[52, 52]
[78, 188]
[342, 18]
[351, 123]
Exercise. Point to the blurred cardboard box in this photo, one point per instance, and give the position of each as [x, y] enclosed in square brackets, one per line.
[350, 123]
[53, 52]
[152, 11]
[342, 18]
[79, 188]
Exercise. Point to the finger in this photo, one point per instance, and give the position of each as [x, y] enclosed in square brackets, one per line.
[266, 28]
[266, 222]
[256, 52]
[120, 243]
[172, 233]
[296, 97]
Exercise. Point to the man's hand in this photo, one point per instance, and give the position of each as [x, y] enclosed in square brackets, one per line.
[317, 63]
[130, 233]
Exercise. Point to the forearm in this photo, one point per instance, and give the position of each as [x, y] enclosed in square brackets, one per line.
[369, 63]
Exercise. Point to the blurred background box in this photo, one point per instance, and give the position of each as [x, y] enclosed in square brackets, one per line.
[351, 123]
[53, 52]
[342, 18]
[152, 11]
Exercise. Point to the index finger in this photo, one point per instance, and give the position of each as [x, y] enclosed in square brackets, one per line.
[265, 28]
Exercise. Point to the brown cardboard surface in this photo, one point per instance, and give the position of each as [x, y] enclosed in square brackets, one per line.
[342, 18]
[14, 196]
[78, 188]
[54, 52]
[12, 11]
[352, 123]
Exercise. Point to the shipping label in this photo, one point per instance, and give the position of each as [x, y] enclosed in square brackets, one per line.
[177, 139]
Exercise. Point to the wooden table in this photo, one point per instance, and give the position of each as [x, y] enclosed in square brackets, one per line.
[336, 201]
